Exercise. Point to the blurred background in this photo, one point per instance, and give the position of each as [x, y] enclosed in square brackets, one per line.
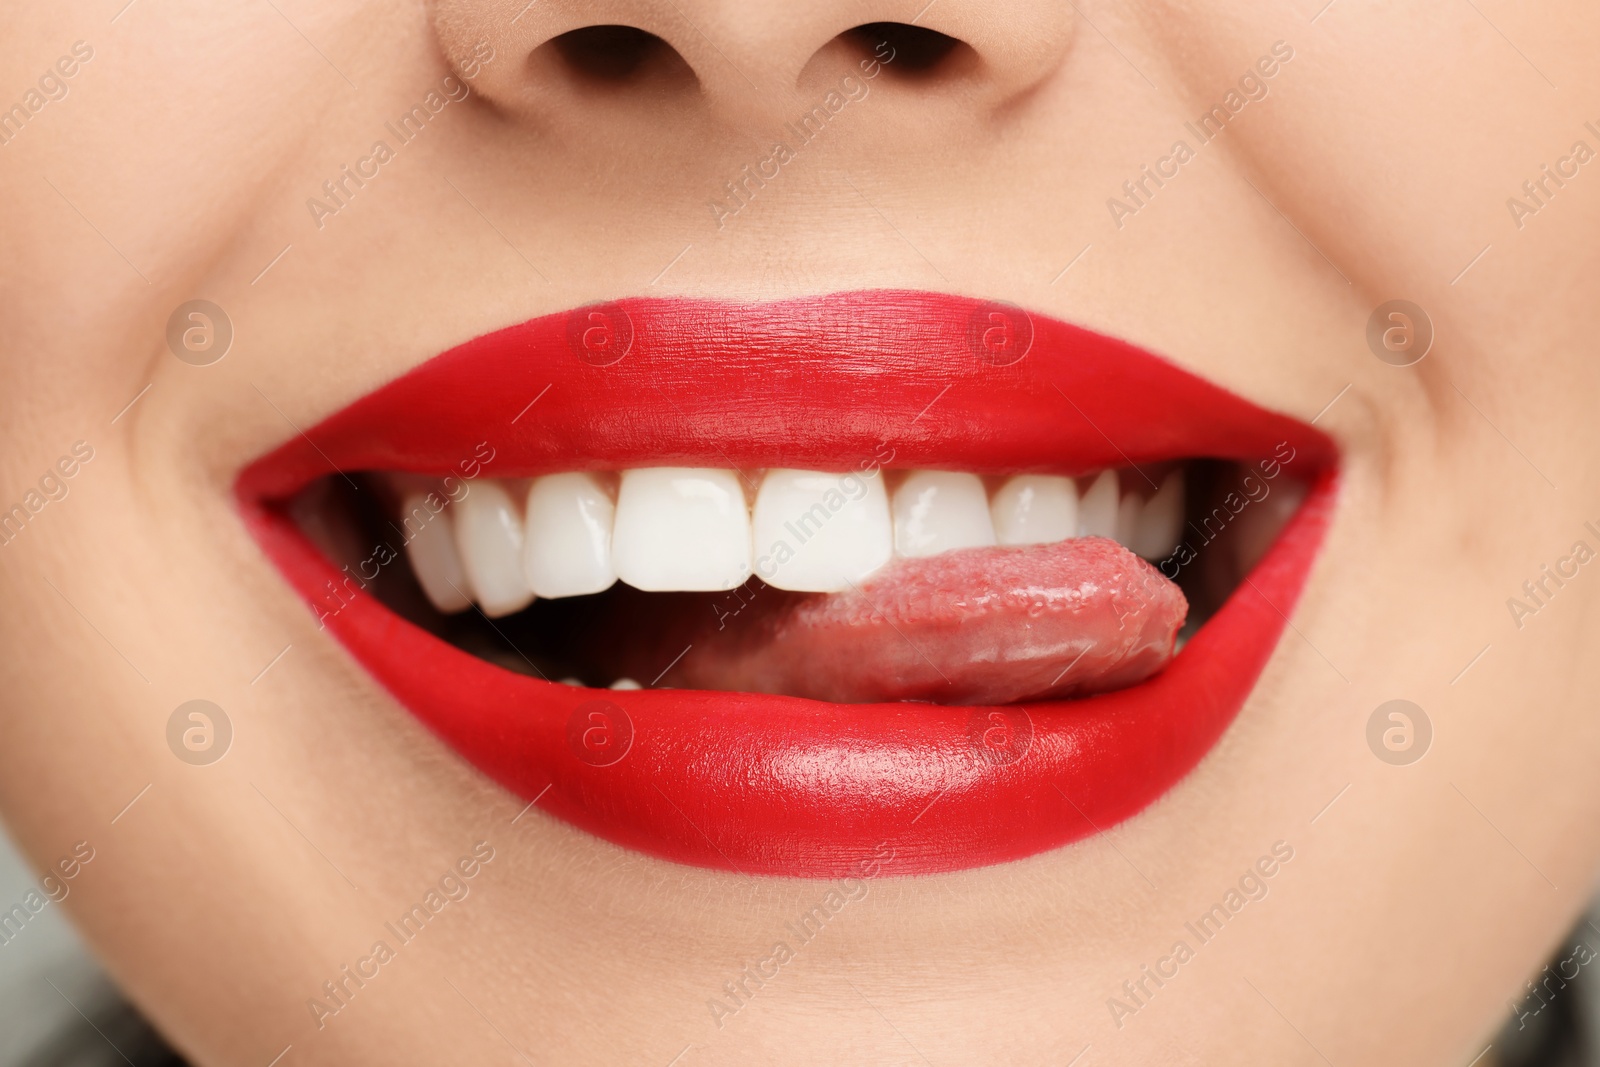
[57, 1008]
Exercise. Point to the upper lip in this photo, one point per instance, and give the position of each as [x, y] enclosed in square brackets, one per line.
[777, 784]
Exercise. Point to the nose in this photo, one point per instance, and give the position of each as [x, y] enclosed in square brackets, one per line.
[742, 62]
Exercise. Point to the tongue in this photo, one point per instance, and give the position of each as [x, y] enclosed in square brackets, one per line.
[973, 626]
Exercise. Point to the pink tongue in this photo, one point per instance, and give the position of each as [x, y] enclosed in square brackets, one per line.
[973, 626]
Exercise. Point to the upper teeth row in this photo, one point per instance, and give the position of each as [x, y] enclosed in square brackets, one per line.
[690, 529]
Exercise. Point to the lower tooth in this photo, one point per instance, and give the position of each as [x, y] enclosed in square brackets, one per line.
[432, 550]
[1097, 509]
[489, 536]
[626, 683]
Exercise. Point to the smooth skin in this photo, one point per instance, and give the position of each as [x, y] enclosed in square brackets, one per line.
[179, 166]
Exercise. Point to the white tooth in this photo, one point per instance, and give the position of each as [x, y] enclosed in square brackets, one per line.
[567, 549]
[626, 683]
[489, 536]
[1129, 508]
[1160, 524]
[681, 528]
[817, 533]
[1097, 509]
[578, 682]
[936, 511]
[431, 547]
[1035, 509]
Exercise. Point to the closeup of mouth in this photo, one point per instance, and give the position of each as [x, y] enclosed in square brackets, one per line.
[775, 587]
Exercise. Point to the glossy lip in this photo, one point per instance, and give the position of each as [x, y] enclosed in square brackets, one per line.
[779, 785]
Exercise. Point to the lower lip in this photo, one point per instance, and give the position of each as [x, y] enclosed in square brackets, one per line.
[775, 785]
[781, 786]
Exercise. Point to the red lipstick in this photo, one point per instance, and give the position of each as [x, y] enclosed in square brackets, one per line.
[780, 785]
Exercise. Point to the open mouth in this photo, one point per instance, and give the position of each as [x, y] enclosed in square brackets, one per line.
[775, 587]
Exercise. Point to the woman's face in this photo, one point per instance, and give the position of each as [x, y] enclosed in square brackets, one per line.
[1264, 810]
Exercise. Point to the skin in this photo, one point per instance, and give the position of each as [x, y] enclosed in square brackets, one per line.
[1381, 160]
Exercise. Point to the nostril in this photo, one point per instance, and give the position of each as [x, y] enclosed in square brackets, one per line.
[905, 48]
[618, 54]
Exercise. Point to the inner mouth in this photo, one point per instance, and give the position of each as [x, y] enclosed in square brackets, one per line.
[858, 586]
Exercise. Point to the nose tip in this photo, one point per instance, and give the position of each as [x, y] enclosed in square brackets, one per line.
[741, 63]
